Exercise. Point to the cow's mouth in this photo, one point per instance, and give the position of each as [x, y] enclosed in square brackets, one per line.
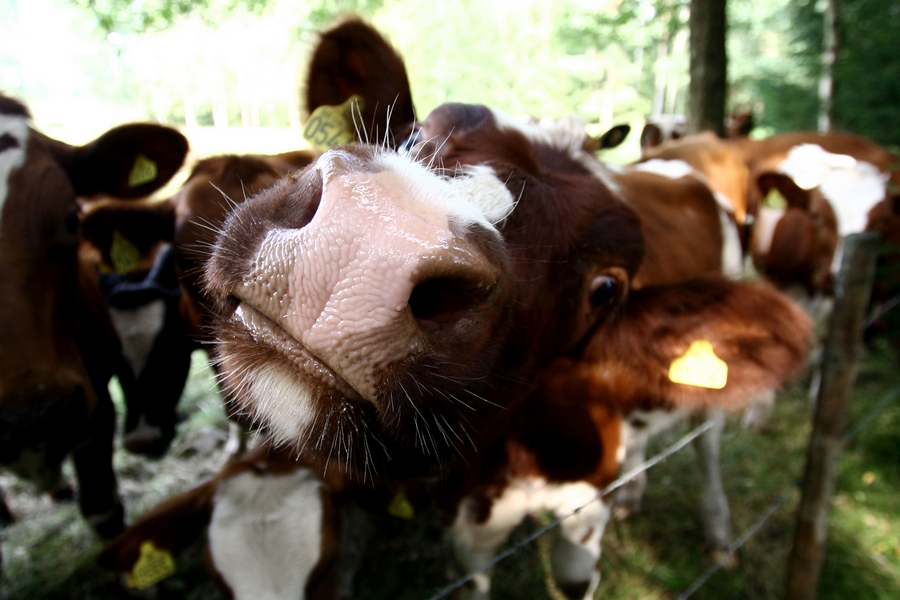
[268, 333]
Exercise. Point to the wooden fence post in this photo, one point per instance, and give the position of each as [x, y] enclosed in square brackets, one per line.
[839, 368]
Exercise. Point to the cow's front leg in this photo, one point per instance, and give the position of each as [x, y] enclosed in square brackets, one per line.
[716, 515]
[475, 539]
[576, 549]
[98, 493]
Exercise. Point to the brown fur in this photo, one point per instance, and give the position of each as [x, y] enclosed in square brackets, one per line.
[58, 345]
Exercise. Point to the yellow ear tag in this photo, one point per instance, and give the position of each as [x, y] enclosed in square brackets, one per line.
[699, 367]
[331, 126]
[774, 199]
[401, 507]
[143, 171]
[152, 566]
[125, 256]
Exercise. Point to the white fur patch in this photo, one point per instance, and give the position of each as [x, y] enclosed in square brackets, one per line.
[265, 535]
[475, 543]
[732, 253]
[764, 228]
[138, 329]
[476, 197]
[14, 157]
[673, 169]
[285, 404]
[852, 186]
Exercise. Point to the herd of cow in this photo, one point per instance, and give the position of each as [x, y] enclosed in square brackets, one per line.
[469, 311]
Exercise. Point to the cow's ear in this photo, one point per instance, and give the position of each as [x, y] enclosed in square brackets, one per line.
[129, 161]
[704, 343]
[611, 139]
[651, 136]
[794, 195]
[353, 59]
[160, 535]
[125, 233]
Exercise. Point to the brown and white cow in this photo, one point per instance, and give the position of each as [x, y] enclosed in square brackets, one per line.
[57, 343]
[828, 185]
[271, 527]
[392, 313]
[165, 313]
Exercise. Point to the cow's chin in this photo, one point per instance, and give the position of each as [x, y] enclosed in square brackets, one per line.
[418, 421]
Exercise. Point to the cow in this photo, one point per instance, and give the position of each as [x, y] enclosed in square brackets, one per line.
[396, 311]
[827, 184]
[57, 341]
[165, 312]
[271, 526]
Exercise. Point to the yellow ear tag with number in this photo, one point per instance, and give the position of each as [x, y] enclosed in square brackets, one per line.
[143, 171]
[125, 256]
[774, 199]
[331, 126]
[401, 507]
[151, 567]
[699, 367]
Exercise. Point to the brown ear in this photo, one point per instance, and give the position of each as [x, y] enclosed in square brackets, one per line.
[651, 136]
[130, 161]
[172, 526]
[761, 335]
[143, 225]
[796, 196]
[354, 59]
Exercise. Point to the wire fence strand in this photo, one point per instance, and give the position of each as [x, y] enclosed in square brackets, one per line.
[861, 424]
[622, 480]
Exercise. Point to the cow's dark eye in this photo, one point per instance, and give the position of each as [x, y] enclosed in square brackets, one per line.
[604, 289]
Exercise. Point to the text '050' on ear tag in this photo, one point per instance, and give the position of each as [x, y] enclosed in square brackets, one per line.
[331, 126]
[151, 567]
[143, 171]
[700, 367]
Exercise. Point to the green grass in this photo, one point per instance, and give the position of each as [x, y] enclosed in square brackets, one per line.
[657, 554]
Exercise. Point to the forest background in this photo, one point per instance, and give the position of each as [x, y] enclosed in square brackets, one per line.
[221, 67]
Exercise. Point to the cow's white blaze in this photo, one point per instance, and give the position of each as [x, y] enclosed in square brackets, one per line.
[138, 329]
[13, 156]
[474, 195]
[265, 535]
[852, 186]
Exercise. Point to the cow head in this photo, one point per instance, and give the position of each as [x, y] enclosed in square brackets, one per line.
[386, 307]
[795, 243]
[55, 337]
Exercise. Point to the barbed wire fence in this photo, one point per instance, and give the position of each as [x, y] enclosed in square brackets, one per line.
[857, 323]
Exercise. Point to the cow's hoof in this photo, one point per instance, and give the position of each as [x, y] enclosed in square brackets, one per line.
[110, 524]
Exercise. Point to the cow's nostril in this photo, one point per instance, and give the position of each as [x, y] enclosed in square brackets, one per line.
[437, 302]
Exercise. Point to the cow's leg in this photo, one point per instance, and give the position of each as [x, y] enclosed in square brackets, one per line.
[576, 549]
[636, 434]
[98, 494]
[356, 529]
[716, 515]
[757, 414]
[475, 541]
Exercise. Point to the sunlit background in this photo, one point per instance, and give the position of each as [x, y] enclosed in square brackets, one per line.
[229, 72]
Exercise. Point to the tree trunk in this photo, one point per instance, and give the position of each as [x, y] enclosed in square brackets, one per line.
[708, 66]
[829, 55]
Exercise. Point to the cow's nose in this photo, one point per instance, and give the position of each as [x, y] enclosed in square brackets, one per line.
[378, 270]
